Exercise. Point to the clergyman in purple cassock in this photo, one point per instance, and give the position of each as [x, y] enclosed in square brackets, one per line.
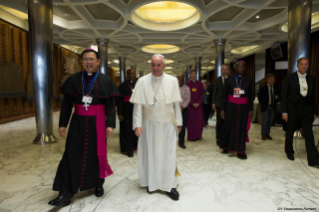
[195, 114]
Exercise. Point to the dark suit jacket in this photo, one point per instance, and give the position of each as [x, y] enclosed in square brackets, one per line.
[291, 92]
[218, 91]
[210, 90]
[263, 97]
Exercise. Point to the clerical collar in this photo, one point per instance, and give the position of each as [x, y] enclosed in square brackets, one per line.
[131, 81]
[194, 81]
[239, 75]
[301, 75]
[157, 78]
[89, 74]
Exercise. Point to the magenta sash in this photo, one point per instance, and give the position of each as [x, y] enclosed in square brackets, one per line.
[98, 111]
[126, 98]
[241, 101]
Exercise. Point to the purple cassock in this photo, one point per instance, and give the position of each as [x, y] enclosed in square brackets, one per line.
[195, 115]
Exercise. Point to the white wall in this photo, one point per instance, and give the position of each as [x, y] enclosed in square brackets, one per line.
[259, 75]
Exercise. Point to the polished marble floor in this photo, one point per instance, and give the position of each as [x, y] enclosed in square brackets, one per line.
[210, 181]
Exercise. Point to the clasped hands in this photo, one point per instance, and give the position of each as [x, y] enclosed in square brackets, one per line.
[196, 105]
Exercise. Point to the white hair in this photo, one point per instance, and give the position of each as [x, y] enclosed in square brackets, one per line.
[159, 55]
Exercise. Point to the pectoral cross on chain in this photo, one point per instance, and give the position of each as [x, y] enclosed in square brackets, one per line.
[86, 105]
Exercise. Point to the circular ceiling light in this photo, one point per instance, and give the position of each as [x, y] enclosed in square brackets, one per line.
[225, 61]
[167, 61]
[242, 50]
[166, 16]
[207, 67]
[160, 49]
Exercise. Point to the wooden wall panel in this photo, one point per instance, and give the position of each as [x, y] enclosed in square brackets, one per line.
[15, 48]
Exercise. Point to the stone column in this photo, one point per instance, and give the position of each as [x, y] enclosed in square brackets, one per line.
[198, 66]
[299, 30]
[102, 45]
[185, 76]
[219, 56]
[40, 20]
[189, 68]
[122, 64]
[134, 68]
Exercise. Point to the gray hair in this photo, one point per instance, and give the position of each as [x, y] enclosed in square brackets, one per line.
[159, 55]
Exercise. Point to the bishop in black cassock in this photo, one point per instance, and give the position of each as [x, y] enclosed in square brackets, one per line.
[128, 139]
[236, 109]
[84, 164]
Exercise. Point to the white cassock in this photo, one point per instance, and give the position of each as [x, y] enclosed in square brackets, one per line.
[157, 110]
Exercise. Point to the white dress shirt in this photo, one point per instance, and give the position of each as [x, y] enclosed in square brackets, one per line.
[270, 91]
[303, 84]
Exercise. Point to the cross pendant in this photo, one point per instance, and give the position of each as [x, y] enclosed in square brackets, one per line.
[86, 105]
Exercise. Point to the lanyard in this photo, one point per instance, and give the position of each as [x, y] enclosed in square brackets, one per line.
[237, 83]
[92, 82]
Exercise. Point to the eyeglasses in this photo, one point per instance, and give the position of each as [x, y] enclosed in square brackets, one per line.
[88, 59]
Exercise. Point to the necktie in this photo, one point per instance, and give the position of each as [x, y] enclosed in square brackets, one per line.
[272, 96]
[223, 80]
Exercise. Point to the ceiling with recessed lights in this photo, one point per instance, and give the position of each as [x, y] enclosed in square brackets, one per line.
[181, 30]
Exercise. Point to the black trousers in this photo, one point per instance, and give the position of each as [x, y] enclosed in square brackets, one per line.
[181, 135]
[219, 124]
[301, 114]
[207, 109]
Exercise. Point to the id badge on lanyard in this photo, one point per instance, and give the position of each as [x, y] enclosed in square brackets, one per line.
[87, 99]
[237, 92]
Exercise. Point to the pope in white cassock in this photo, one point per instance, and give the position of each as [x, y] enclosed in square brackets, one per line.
[157, 121]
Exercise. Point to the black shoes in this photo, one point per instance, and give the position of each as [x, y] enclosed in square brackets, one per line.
[182, 146]
[65, 199]
[99, 191]
[242, 156]
[290, 156]
[61, 200]
[174, 195]
[225, 151]
[130, 154]
[269, 137]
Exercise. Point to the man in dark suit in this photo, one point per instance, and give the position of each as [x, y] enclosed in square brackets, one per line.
[207, 101]
[298, 104]
[217, 96]
[267, 97]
